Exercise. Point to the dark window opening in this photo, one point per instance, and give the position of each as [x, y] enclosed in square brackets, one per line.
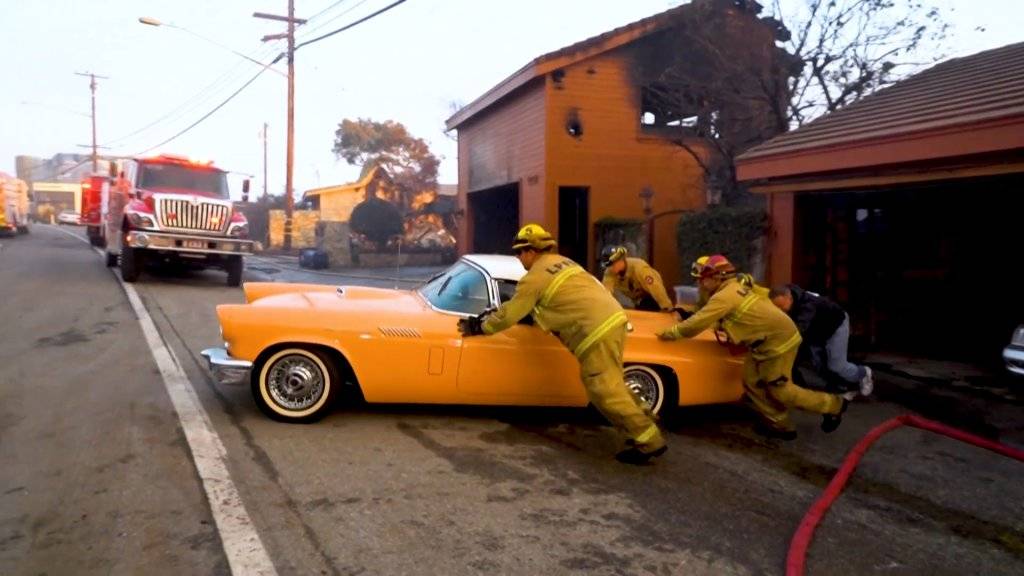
[670, 111]
[573, 125]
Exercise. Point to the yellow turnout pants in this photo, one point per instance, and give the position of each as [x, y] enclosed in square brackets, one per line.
[602, 375]
[771, 391]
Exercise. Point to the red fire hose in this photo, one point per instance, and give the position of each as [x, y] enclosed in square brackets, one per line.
[802, 538]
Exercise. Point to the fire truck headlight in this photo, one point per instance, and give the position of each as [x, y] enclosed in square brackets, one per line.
[138, 240]
[239, 229]
[139, 220]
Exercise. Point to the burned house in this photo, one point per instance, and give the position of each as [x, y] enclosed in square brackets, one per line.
[906, 207]
[422, 223]
[594, 133]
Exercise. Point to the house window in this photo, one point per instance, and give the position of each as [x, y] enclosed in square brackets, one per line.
[671, 112]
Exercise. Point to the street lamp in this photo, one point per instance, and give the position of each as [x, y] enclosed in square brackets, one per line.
[150, 21]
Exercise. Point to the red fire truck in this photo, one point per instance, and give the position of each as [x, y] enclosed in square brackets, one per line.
[90, 214]
[166, 210]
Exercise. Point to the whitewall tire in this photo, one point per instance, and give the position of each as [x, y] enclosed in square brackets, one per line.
[295, 385]
[649, 386]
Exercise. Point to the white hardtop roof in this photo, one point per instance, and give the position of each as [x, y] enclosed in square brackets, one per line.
[498, 265]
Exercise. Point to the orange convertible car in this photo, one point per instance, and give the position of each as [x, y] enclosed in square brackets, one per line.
[297, 344]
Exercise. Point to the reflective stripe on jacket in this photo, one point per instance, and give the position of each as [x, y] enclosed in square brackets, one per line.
[747, 318]
[563, 299]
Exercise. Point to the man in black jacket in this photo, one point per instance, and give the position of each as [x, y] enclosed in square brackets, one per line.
[825, 328]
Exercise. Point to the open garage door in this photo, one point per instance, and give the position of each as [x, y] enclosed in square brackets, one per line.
[495, 218]
[930, 270]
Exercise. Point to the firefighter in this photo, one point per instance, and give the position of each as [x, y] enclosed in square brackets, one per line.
[567, 301]
[635, 278]
[742, 277]
[751, 320]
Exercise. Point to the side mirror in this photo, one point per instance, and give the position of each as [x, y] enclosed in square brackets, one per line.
[245, 190]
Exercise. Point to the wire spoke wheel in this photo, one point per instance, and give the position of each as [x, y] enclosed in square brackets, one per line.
[295, 382]
[647, 385]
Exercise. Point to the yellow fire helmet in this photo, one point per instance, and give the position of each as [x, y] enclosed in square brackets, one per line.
[533, 236]
[698, 265]
[716, 265]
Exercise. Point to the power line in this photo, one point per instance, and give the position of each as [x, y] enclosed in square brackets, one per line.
[193, 102]
[324, 24]
[198, 98]
[258, 74]
[208, 114]
[353, 24]
[321, 13]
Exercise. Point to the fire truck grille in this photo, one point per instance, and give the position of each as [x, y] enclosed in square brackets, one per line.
[184, 215]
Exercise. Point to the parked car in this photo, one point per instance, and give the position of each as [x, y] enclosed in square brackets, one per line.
[68, 217]
[1013, 354]
[297, 344]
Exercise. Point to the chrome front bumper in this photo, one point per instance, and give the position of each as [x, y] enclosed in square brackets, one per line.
[1014, 358]
[191, 244]
[225, 369]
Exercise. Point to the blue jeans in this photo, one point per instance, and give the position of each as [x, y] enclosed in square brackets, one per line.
[836, 346]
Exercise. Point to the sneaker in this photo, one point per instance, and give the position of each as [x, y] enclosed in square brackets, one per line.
[773, 432]
[637, 457]
[867, 383]
[829, 422]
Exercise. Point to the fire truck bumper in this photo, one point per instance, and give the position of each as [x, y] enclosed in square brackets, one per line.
[192, 244]
[225, 369]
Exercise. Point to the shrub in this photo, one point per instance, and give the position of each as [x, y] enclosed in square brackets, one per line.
[732, 231]
[628, 232]
[378, 220]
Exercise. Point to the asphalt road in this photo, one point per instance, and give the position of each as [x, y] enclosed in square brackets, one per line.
[95, 476]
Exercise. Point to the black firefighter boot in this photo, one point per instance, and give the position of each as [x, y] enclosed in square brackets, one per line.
[637, 457]
[829, 422]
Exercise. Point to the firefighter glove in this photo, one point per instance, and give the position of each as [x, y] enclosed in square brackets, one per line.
[472, 326]
[669, 334]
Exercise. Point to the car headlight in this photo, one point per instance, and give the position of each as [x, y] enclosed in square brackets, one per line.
[238, 229]
[140, 220]
[1018, 336]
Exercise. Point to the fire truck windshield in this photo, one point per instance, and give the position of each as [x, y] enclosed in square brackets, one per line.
[172, 177]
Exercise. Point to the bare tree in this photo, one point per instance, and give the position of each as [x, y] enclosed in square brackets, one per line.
[851, 48]
[716, 82]
[722, 78]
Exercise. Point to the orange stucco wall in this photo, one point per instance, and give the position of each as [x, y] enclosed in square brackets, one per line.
[504, 145]
[612, 157]
[523, 139]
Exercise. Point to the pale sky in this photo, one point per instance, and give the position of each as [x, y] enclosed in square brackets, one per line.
[410, 65]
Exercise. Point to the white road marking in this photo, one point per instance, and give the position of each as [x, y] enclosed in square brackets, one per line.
[242, 545]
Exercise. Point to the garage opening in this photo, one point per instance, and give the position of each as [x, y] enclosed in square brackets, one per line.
[573, 216]
[928, 270]
[495, 219]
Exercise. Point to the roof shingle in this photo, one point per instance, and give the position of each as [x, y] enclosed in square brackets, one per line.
[984, 86]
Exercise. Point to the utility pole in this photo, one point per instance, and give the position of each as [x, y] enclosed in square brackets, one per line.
[264, 161]
[290, 35]
[92, 88]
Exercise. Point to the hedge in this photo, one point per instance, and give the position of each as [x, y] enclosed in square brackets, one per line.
[732, 231]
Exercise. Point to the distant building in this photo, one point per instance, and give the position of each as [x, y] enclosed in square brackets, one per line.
[54, 183]
[335, 203]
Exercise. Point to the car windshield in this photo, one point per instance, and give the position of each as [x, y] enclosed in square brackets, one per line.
[171, 176]
[462, 288]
